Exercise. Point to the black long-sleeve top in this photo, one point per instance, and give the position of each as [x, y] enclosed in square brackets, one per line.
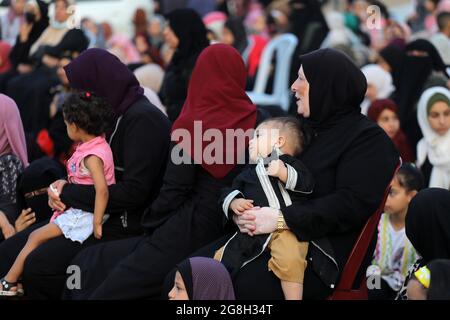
[140, 147]
[350, 183]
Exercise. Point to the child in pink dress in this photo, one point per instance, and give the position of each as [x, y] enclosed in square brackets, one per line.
[87, 118]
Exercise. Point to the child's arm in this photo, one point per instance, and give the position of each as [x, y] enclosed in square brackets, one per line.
[293, 173]
[95, 166]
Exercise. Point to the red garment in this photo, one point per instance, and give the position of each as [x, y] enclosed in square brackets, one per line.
[254, 57]
[5, 63]
[216, 96]
[400, 140]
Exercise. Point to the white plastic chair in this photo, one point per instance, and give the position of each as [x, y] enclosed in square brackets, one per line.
[283, 46]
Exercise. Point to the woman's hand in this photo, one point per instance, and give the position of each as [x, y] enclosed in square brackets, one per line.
[54, 201]
[261, 220]
[7, 229]
[245, 222]
[25, 219]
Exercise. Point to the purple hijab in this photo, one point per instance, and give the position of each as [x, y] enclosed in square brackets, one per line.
[206, 279]
[99, 71]
[12, 136]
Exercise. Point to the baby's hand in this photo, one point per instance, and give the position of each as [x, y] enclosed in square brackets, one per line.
[276, 167]
[98, 230]
[238, 206]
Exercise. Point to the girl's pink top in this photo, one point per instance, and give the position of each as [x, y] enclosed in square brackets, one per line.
[78, 173]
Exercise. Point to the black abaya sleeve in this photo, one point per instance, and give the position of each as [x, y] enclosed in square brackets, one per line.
[303, 180]
[19, 53]
[362, 175]
[144, 156]
[234, 192]
[177, 190]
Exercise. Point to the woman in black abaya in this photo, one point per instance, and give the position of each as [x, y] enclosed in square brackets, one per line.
[186, 34]
[352, 161]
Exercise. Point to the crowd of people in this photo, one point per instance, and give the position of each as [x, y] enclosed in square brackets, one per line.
[90, 123]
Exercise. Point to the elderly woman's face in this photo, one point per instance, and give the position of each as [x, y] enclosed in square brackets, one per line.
[439, 117]
[301, 90]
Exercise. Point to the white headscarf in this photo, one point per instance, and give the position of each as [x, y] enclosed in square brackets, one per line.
[432, 145]
[381, 80]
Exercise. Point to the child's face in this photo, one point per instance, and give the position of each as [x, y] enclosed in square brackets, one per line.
[178, 291]
[398, 198]
[415, 290]
[265, 138]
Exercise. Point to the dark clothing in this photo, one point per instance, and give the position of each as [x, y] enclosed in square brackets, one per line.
[190, 30]
[21, 51]
[347, 192]
[182, 219]
[31, 91]
[428, 224]
[242, 247]
[139, 159]
[174, 88]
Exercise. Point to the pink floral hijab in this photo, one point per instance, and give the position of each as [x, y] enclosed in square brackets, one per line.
[12, 136]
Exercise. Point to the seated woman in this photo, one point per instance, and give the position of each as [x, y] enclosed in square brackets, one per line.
[433, 151]
[138, 172]
[13, 159]
[428, 229]
[30, 88]
[36, 21]
[352, 161]
[186, 215]
[185, 33]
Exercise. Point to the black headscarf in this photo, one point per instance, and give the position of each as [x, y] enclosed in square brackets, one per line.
[307, 14]
[415, 72]
[428, 224]
[191, 33]
[99, 71]
[38, 175]
[336, 86]
[44, 21]
[236, 26]
[185, 270]
[395, 57]
[439, 280]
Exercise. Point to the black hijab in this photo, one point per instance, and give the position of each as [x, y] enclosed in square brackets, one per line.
[439, 280]
[428, 224]
[185, 270]
[415, 73]
[236, 26]
[191, 33]
[395, 57]
[99, 71]
[307, 14]
[336, 86]
[43, 23]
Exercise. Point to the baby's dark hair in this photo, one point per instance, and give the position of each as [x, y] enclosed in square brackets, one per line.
[88, 112]
[410, 177]
[297, 131]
